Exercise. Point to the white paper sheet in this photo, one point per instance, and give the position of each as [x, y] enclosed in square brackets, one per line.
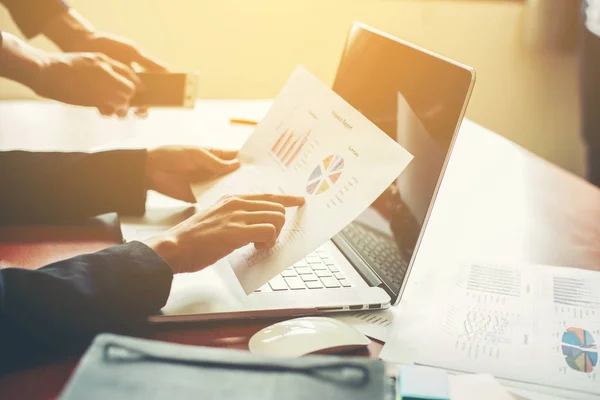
[526, 323]
[375, 324]
[310, 143]
[477, 387]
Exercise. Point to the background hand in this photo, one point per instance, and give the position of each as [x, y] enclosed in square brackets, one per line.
[86, 79]
[231, 223]
[122, 50]
[118, 48]
[171, 170]
[73, 33]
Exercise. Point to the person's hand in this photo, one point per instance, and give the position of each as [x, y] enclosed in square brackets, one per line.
[231, 223]
[86, 79]
[171, 170]
[118, 48]
[121, 50]
[71, 32]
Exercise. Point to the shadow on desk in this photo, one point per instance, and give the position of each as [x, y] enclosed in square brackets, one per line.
[35, 246]
[47, 381]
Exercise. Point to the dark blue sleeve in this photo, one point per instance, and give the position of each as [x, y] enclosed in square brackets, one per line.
[54, 186]
[31, 16]
[57, 310]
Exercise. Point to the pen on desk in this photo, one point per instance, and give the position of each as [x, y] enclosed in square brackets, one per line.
[242, 121]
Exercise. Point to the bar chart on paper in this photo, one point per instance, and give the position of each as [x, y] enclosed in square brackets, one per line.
[487, 284]
[574, 291]
[495, 281]
[289, 145]
[294, 137]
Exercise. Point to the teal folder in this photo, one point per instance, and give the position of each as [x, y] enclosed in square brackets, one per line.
[119, 367]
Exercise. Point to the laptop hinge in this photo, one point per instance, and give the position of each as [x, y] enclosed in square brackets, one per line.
[357, 262]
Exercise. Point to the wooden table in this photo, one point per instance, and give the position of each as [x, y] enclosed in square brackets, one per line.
[497, 200]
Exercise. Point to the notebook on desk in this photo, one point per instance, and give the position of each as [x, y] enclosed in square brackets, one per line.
[119, 367]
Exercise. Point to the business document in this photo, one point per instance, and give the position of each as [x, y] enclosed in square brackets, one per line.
[526, 323]
[313, 144]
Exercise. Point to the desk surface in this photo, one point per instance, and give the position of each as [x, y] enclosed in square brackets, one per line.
[497, 200]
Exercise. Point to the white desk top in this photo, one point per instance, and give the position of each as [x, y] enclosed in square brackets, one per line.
[496, 200]
[41, 125]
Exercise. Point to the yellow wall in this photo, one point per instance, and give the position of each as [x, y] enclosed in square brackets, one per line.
[247, 48]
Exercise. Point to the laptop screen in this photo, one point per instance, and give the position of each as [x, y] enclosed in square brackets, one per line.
[418, 99]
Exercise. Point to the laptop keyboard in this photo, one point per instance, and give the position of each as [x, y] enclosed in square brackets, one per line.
[319, 271]
[315, 271]
[379, 251]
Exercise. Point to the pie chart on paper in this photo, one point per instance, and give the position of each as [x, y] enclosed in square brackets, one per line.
[325, 175]
[579, 349]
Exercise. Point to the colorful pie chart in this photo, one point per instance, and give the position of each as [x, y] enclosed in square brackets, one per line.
[580, 350]
[325, 175]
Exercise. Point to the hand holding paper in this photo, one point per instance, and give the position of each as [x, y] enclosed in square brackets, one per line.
[312, 144]
[230, 223]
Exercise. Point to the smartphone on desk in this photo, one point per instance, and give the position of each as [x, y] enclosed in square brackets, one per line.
[166, 89]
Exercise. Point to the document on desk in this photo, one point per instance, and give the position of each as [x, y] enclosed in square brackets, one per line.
[527, 323]
[310, 143]
[477, 387]
[374, 324]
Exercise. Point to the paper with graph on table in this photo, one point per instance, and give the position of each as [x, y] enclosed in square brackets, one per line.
[310, 143]
[528, 323]
[375, 324]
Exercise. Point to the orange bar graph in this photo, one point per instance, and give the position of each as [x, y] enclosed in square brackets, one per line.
[297, 150]
[288, 146]
[282, 149]
[279, 141]
[289, 150]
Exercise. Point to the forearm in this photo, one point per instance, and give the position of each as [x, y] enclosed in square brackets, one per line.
[61, 307]
[31, 16]
[19, 61]
[39, 187]
[67, 29]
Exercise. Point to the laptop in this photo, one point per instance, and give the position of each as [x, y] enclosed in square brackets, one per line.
[416, 97]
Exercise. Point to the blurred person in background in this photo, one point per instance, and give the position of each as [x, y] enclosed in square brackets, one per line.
[590, 87]
[95, 69]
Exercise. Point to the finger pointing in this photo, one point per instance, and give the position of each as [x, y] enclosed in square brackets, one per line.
[224, 154]
[283, 199]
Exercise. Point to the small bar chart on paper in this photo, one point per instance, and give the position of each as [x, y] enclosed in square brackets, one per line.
[293, 140]
[289, 145]
[576, 291]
